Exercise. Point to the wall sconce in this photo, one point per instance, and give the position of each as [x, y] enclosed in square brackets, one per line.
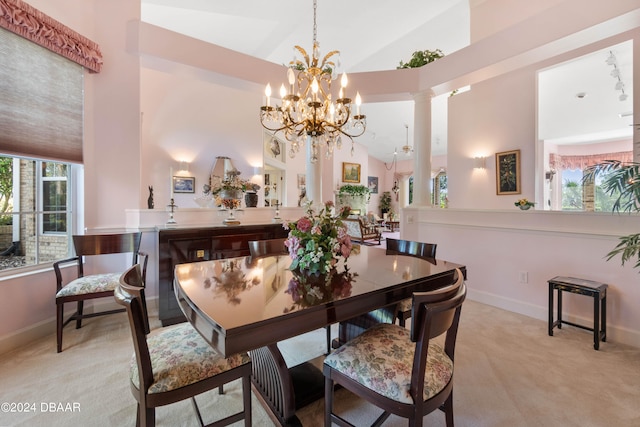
[479, 162]
[550, 174]
[184, 166]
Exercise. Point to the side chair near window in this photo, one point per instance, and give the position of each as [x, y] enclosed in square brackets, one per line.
[175, 363]
[92, 286]
[416, 249]
[259, 248]
[402, 372]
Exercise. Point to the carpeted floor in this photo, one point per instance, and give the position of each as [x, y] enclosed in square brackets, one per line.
[509, 372]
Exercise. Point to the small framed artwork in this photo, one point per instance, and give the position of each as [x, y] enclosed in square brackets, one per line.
[508, 172]
[350, 172]
[184, 184]
[302, 180]
[372, 183]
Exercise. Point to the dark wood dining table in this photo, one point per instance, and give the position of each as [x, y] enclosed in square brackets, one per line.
[251, 304]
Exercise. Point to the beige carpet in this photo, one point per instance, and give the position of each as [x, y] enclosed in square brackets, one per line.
[508, 373]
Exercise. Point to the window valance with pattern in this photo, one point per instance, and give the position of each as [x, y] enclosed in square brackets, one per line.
[28, 22]
[557, 161]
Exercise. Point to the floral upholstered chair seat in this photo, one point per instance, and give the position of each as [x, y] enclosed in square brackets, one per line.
[381, 359]
[90, 284]
[180, 356]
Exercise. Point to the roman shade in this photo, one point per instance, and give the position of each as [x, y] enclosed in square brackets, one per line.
[41, 102]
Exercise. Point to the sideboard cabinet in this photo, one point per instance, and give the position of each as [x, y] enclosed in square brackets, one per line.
[179, 246]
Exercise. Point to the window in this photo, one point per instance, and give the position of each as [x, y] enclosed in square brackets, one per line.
[35, 211]
[54, 197]
[585, 109]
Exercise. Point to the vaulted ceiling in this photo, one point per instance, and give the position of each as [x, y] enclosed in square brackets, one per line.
[376, 35]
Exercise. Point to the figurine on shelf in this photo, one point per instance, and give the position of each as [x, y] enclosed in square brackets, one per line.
[150, 199]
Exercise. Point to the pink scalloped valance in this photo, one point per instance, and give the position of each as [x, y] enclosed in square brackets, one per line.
[557, 161]
[28, 22]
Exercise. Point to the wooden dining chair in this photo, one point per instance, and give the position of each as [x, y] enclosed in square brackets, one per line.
[259, 248]
[175, 363]
[400, 371]
[415, 249]
[99, 285]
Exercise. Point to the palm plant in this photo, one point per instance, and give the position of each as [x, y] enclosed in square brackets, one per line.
[623, 180]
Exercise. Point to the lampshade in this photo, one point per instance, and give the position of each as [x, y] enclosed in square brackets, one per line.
[222, 167]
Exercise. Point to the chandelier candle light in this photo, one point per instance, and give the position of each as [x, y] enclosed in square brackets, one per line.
[307, 112]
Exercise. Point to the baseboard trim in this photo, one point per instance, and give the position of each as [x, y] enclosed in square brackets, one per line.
[47, 327]
[616, 334]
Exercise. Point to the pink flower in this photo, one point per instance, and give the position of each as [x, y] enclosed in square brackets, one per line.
[316, 230]
[328, 204]
[304, 224]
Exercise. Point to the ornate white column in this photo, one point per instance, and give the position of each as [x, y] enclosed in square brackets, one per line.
[314, 175]
[422, 148]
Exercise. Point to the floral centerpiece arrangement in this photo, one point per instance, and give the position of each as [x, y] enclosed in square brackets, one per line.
[228, 192]
[524, 204]
[317, 241]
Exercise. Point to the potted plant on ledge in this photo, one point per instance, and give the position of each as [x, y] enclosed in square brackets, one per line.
[385, 203]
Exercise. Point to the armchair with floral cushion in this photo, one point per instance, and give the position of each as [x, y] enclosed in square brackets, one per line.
[360, 229]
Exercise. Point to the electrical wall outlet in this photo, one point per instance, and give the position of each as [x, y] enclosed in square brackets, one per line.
[524, 277]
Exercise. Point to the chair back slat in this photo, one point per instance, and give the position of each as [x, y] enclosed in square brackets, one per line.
[259, 248]
[130, 294]
[426, 303]
[411, 248]
[101, 244]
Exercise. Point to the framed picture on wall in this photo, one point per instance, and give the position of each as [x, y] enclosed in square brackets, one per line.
[372, 183]
[350, 172]
[508, 172]
[184, 184]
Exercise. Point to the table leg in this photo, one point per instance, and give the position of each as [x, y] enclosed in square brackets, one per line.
[596, 320]
[559, 308]
[550, 309]
[604, 317]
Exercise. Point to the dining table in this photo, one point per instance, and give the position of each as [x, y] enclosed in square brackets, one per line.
[249, 304]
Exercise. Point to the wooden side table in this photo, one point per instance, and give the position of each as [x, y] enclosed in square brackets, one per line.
[393, 225]
[596, 290]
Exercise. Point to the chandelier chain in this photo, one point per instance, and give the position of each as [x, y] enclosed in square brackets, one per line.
[315, 25]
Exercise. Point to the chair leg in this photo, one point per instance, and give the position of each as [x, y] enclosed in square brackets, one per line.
[328, 328]
[246, 397]
[59, 325]
[195, 408]
[328, 401]
[448, 409]
[79, 313]
[146, 417]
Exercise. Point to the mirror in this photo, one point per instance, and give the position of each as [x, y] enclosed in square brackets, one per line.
[275, 171]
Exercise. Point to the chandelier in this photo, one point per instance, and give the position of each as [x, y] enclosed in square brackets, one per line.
[307, 110]
[406, 147]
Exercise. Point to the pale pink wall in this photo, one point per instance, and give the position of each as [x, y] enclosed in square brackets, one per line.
[506, 122]
[111, 148]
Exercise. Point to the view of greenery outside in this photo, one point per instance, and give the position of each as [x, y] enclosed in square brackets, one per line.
[572, 193]
[54, 197]
[571, 196]
[6, 190]
[443, 191]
